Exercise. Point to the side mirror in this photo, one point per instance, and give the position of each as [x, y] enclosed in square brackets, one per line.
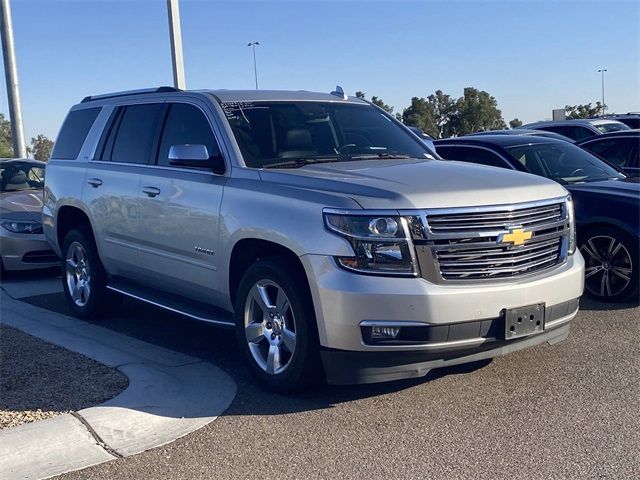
[194, 155]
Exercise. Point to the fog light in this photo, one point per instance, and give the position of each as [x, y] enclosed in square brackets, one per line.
[378, 333]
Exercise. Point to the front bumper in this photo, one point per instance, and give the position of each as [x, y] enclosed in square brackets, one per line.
[343, 301]
[26, 252]
[343, 367]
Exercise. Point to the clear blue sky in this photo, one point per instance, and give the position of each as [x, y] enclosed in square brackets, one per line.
[533, 56]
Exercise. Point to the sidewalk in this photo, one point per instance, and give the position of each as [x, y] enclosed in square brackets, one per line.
[169, 395]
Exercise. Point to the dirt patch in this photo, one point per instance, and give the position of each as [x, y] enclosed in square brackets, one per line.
[40, 380]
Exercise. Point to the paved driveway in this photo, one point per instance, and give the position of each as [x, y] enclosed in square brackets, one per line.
[568, 411]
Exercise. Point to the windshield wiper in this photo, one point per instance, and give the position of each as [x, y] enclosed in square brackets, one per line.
[367, 156]
[301, 162]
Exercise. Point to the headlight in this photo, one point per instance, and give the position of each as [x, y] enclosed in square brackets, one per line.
[380, 243]
[572, 226]
[17, 226]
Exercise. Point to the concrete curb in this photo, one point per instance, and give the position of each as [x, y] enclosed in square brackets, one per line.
[169, 395]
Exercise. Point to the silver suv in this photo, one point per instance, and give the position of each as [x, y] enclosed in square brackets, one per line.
[316, 225]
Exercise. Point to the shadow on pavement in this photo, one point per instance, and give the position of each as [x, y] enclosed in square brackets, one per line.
[588, 303]
[218, 346]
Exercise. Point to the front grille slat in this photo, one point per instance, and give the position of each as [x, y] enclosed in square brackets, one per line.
[465, 244]
[524, 223]
[549, 252]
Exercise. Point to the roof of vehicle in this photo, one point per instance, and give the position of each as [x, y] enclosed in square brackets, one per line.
[616, 134]
[21, 160]
[235, 95]
[573, 121]
[279, 95]
[504, 141]
[613, 116]
[523, 131]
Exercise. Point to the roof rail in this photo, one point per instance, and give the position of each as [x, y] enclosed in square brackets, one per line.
[126, 93]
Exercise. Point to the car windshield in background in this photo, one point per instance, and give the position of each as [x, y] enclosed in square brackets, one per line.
[17, 176]
[295, 133]
[611, 127]
[564, 163]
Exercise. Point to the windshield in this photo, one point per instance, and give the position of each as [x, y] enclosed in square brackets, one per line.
[611, 127]
[292, 133]
[563, 162]
[17, 176]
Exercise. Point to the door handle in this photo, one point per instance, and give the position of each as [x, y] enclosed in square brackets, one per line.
[151, 191]
[94, 182]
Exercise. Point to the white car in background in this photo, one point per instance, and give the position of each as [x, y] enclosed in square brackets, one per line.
[22, 243]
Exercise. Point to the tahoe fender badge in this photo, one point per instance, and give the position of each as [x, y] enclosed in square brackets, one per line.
[206, 251]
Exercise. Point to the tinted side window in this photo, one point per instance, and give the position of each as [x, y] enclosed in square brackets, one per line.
[617, 152]
[472, 155]
[573, 132]
[132, 134]
[74, 132]
[186, 124]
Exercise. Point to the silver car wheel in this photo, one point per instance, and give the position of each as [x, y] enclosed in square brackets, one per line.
[78, 274]
[270, 326]
[608, 266]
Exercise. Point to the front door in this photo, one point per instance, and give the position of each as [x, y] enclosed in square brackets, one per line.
[179, 209]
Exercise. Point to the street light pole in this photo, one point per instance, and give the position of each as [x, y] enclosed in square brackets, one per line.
[601, 71]
[176, 44]
[255, 68]
[11, 76]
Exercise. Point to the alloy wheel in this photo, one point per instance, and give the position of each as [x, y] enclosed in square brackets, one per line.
[78, 274]
[270, 326]
[608, 266]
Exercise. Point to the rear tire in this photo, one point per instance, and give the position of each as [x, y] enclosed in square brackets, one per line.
[276, 326]
[612, 267]
[84, 278]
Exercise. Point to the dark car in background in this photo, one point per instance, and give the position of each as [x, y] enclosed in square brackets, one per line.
[621, 149]
[631, 120]
[606, 202]
[524, 131]
[425, 137]
[22, 242]
[578, 129]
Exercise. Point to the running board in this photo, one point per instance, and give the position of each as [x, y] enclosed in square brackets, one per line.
[174, 303]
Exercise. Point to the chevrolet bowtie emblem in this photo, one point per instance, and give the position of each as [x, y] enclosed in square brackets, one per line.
[516, 237]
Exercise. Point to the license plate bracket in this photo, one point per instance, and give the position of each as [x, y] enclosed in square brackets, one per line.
[523, 321]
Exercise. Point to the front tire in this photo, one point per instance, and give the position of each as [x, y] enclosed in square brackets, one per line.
[276, 326]
[611, 264]
[84, 279]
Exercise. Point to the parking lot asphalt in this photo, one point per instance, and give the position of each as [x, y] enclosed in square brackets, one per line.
[563, 411]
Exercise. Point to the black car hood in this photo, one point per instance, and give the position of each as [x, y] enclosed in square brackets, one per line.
[628, 187]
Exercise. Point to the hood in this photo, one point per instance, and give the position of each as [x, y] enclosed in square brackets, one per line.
[400, 184]
[628, 187]
[21, 205]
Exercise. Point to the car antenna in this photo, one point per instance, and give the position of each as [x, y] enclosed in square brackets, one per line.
[339, 92]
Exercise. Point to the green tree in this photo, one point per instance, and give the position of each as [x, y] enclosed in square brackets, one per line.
[515, 123]
[378, 102]
[41, 147]
[444, 108]
[584, 111]
[476, 111]
[6, 143]
[421, 114]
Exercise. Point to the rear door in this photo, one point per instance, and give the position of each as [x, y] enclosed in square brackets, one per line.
[179, 209]
[113, 185]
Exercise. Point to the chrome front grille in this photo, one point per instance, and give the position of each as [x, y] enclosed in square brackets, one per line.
[488, 221]
[468, 244]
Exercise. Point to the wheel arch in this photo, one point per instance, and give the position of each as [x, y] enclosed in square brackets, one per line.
[247, 251]
[67, 218]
